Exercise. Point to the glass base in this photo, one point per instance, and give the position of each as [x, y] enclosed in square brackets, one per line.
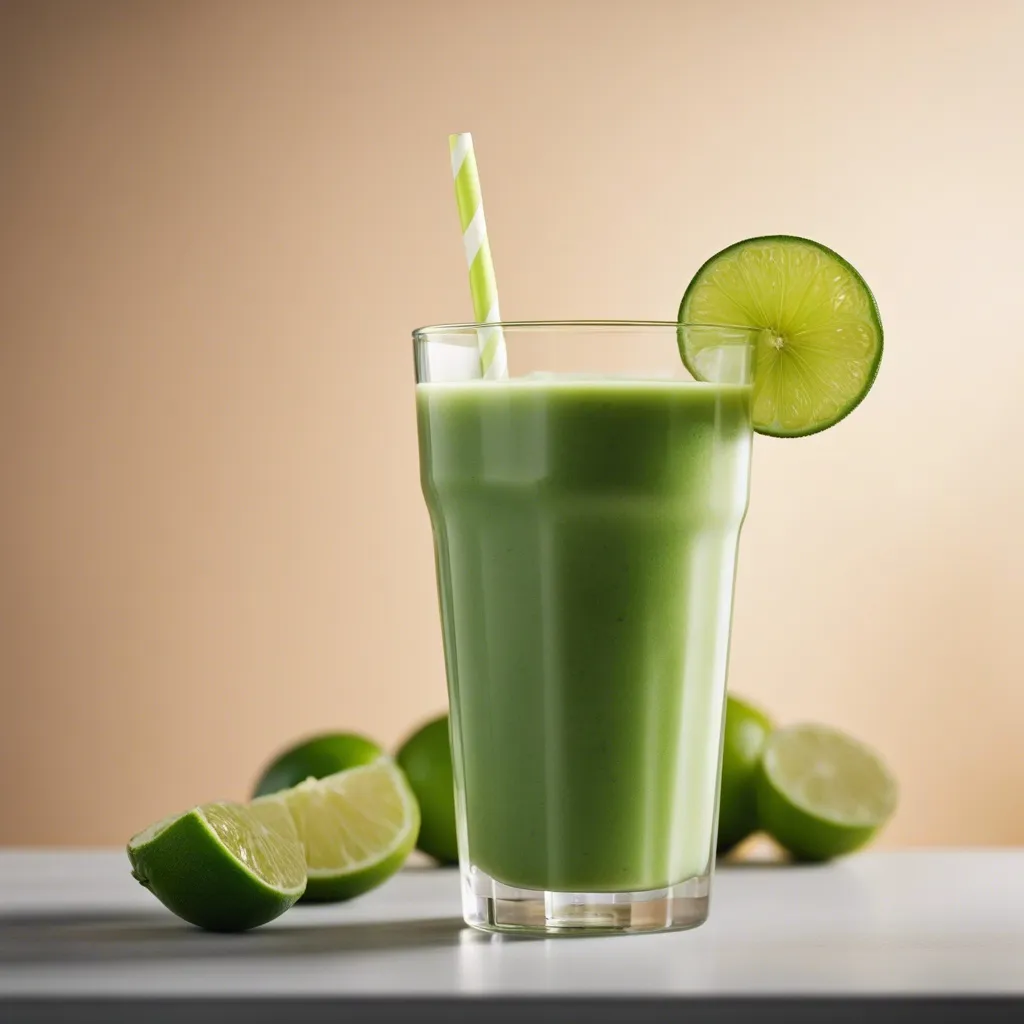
[492, 906]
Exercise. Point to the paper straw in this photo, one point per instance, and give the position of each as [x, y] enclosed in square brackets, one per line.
[484, 289]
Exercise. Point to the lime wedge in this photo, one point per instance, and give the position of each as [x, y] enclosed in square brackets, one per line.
[822, 793]
[358, 826]
[822, 341]
[222, 866]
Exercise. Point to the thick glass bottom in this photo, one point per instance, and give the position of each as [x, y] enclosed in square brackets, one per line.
[492, 906]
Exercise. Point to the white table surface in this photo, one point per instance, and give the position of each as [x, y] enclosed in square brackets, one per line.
[917, 923]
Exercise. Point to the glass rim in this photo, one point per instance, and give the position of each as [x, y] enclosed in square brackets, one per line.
[435, 330]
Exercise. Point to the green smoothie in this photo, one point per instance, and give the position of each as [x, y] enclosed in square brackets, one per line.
[585, 534]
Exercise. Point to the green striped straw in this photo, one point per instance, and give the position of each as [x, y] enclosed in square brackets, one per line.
[493, 357]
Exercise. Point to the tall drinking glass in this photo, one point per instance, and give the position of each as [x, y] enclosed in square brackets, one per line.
[586, 513]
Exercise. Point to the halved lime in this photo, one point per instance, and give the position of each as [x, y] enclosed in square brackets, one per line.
[822, 341]
[822, 793]
[357, 826]
[222, 866]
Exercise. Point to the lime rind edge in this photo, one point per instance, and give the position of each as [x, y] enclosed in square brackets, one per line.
[154, 831]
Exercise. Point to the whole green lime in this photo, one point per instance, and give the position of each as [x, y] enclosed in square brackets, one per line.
[746, 730]
[426, 759]
[316, 757]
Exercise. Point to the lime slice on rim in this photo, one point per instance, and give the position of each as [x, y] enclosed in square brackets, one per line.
[822, 793]
[822, 340]
[222, 866]
[357, 826]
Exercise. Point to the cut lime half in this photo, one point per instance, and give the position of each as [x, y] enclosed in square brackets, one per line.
[822, 793]
[357, 826]
[822, 336]
[222, 866]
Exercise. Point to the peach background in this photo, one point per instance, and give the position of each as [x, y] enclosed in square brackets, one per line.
[221, 221]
